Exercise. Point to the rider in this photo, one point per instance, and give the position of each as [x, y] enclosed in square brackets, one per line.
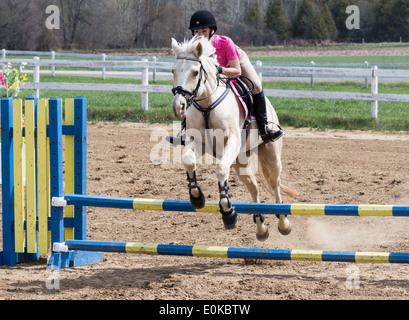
[234, 61]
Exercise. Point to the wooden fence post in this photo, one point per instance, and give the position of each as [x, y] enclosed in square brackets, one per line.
[155, 59]
[145, 82]
[312, 63]
[36, 77]
[260, 74]
[103, 69]
[53, 67]
[374, 90]
[366, 66]
[3, 56]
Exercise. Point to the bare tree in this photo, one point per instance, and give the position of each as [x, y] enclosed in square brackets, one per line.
[73, 13]
[20, 24]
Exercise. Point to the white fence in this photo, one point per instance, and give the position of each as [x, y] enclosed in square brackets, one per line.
[374, 73]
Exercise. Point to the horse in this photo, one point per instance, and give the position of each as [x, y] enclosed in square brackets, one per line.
[213, 115]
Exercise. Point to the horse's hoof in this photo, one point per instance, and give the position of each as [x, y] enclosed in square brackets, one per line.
[198, 202]
[230, 219]
[285, 230]
[263, 237]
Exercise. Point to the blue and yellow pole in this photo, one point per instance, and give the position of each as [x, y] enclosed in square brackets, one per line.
[241, 207]
[238, 253]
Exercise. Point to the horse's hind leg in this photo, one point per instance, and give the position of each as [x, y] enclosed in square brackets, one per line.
[246, 175]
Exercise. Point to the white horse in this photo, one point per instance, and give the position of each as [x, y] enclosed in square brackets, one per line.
[205, 102]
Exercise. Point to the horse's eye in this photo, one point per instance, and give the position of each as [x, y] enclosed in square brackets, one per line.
[173, 71]
[195, 73]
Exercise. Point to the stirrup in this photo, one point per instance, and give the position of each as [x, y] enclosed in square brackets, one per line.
[271, 136]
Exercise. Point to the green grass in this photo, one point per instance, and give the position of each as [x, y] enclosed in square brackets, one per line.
[297, 112]
[341, 114]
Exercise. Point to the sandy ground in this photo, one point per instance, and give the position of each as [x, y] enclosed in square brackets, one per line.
[324, 167]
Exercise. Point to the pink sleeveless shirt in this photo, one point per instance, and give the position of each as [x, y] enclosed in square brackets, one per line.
[225, 50]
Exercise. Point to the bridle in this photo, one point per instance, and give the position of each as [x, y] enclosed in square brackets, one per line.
[191, 96]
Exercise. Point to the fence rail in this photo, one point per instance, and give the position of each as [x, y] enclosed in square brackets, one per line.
[374, 73]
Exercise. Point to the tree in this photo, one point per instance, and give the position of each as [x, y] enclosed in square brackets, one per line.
[329, 23]
[254, 15]
[391, 20]
[73, 13]
[367, 22]
[20, 24]
[303, 21]
[276, 19]
[338, 8]
[314, 21]
[401, 22]
[254, 20]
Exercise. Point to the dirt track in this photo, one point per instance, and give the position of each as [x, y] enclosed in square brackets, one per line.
[324, 167]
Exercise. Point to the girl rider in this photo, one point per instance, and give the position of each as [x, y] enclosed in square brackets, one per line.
[234, 61]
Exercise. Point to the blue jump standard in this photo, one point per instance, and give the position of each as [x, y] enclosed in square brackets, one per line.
[241, 207]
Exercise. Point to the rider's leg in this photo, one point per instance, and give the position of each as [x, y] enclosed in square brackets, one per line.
[260, 111]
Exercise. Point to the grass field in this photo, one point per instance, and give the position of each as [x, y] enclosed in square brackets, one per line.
[297, 112]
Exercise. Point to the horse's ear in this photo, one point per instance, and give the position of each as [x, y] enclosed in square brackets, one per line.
[175, 47]
[199, 50]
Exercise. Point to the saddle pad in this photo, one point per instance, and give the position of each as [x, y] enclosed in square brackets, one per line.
[243, 104]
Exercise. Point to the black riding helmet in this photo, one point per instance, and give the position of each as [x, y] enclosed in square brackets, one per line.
[202, 19]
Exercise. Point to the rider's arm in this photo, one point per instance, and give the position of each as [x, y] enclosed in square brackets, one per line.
[234, 68]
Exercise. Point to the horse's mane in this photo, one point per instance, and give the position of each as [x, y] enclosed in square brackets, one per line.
[188, 47]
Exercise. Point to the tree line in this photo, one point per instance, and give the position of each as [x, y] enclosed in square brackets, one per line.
[127, 24]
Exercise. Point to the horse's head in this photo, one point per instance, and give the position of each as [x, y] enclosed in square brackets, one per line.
[193, 67]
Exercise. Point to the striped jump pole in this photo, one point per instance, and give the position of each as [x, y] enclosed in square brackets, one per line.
[241, 207]
[231, 252]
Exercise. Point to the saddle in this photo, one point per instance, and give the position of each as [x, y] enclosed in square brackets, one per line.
[244, 94]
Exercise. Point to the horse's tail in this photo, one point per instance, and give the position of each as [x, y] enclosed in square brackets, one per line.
[287, 191]
[268, 176]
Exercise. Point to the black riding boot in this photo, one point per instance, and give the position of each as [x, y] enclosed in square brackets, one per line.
[179, 139]
[260, 113]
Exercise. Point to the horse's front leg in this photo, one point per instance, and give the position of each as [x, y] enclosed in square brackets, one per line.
[197, 198]
[230, 153]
